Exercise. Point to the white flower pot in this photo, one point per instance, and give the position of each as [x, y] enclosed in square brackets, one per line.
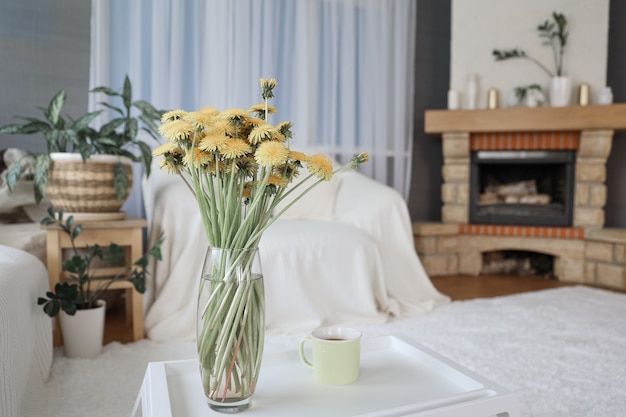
[83, 332]
[560, 91]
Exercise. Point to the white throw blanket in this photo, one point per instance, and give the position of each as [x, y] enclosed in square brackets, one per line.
[25, 338]
[361, 267]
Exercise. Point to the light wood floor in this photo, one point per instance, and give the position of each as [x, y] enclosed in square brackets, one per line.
[456, 287]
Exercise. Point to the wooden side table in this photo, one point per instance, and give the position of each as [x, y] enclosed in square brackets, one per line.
[126, 233]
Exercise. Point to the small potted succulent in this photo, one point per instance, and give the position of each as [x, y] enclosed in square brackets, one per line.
[81, 293]
[76, 151]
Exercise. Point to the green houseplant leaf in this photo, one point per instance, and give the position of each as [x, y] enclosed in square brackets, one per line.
[84, 287]
[120, 180]
[53, 111]
[555, 34]
[40, 179]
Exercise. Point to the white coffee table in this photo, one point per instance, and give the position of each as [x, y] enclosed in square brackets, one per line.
[399, 377]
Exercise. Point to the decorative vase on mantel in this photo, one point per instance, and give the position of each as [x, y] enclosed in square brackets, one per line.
[560, 91]
[230, 327]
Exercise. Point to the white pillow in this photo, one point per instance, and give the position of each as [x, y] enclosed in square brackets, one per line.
[317, 204]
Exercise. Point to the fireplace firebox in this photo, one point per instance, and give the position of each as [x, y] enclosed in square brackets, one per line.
[531, 187]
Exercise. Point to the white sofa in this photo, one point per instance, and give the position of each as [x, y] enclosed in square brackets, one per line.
[343, 255]
[26, 386]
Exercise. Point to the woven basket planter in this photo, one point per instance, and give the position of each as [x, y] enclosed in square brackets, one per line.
[85, 187]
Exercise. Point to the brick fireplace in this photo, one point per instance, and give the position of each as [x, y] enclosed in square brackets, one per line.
[582, 249]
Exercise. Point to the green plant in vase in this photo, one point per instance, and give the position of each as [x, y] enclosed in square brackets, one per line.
[554, 34]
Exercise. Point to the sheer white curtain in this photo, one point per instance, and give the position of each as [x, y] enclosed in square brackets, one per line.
[344, 67]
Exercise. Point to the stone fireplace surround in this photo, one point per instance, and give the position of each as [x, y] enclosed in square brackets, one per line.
[586, 252]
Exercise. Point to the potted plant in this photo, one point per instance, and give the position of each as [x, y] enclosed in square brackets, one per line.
[73, 141]
[555, 35]
[531, 95]
[80, 294]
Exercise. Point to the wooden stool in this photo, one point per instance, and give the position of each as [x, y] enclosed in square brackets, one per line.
[126, 233]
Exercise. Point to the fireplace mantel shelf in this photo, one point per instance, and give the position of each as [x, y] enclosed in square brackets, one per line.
[524, 119]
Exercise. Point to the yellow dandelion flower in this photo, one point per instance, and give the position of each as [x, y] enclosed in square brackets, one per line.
[267, 85]
[254, 121]
[262, 133]
[173, 115]
[172, 162]
[177, 130]
[247, 190]
[320, 165]
[197, 158]
[235, 148]
[209, 110]
[271, 153]
[247, 166]
[200, 120]
[260, 108]
[277, 181]
[235, 117]
[222, 127]
[250, 124]
[212, 143]
[287, 171]
[297, 156]
[213, 166]
[167, 147]
[359, 159]
[284, 128]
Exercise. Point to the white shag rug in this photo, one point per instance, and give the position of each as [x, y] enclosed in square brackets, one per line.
[562, 351]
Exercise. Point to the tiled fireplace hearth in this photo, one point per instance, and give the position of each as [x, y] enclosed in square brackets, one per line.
[582, 249]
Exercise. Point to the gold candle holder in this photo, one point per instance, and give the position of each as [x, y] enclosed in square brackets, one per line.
[583, 94]
[492, 98]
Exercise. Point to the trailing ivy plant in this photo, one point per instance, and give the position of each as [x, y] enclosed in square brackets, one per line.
[554, 33]
[83, 288]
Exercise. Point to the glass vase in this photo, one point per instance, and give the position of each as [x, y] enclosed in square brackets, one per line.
[230, 327]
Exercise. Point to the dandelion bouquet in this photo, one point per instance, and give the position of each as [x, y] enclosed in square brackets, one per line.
[239, 167]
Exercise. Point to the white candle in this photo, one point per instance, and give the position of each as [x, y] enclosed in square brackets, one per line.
[453, 100]
[605, 96]
[472, 91]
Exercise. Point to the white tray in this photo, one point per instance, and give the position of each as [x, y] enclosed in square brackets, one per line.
[398, 378]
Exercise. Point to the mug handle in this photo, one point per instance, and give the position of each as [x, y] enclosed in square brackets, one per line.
[302, 355]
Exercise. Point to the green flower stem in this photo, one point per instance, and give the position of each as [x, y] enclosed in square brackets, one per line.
[211, 215]
[256, 237]
[230, 327]
[247, 225]
[233, 208]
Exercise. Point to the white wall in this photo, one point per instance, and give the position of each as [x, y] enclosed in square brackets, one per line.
[479, 26]
[44, 47]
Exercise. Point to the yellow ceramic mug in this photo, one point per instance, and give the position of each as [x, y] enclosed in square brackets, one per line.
[336, 354]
